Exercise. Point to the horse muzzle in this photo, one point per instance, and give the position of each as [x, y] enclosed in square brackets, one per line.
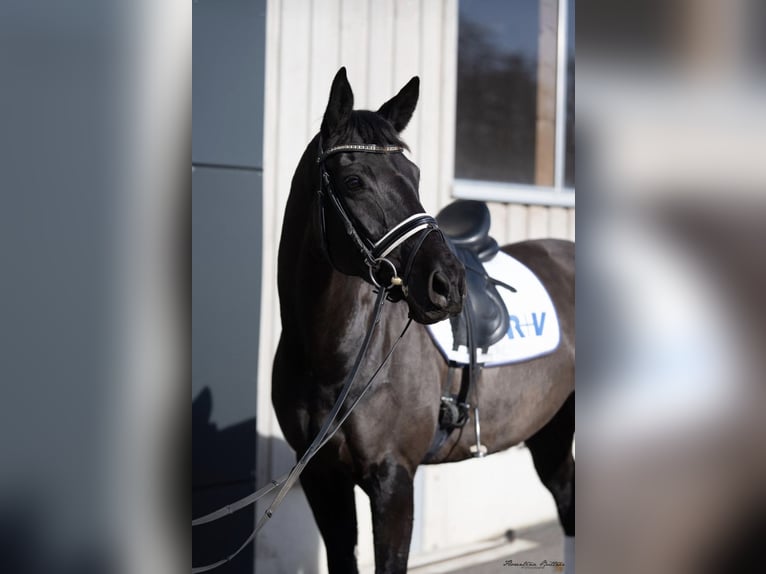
[445, 292]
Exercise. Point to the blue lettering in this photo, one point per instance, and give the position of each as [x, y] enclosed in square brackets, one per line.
[517, 328]
[515, 323]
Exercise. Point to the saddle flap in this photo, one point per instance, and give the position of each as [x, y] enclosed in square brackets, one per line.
[489, 316]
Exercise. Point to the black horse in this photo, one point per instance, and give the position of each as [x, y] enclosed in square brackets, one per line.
[326, 299]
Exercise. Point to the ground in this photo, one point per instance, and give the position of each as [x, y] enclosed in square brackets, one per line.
[531, 551]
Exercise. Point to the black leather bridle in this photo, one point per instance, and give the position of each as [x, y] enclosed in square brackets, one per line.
[374, 253]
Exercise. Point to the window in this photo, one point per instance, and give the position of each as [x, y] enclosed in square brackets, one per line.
[515, 101]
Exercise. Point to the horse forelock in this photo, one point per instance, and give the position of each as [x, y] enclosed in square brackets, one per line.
[364, 126]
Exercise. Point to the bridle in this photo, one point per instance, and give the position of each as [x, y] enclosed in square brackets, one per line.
[374, 254]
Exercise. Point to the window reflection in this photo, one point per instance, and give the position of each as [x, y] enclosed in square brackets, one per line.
[506, 100]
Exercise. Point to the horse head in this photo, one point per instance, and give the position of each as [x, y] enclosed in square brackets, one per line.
[373, 190]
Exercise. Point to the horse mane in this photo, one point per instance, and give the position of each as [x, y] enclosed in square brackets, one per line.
[371, 129]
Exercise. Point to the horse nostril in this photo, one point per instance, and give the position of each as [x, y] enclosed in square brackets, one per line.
[438, 289]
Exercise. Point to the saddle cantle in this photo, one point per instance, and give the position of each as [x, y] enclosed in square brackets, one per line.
[466, 224]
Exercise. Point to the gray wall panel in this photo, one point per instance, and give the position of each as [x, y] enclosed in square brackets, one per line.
[228, 45]
[227, 149]
[226, 278]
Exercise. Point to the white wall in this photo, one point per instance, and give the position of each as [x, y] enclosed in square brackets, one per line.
[382, 43]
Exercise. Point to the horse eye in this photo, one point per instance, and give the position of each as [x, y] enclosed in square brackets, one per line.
[353, 182]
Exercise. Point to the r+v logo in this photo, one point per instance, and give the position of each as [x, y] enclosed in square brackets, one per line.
[528, 328]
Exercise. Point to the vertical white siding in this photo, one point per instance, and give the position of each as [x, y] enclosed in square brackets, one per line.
[382, 43]
[429, 152]
[323, 56]
[380, 63]
[355, 26]
[447, 99]
[514, 222]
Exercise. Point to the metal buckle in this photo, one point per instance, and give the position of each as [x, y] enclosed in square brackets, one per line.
[374, 265]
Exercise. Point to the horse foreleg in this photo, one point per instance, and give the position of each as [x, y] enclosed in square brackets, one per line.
[390, 488]
[551, 449]
[331, 496]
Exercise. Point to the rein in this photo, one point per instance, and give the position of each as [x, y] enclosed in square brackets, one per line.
[375, 256]
[327, 431]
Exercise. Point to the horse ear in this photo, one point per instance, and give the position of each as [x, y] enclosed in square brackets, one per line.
[340, 105]
[399, 109]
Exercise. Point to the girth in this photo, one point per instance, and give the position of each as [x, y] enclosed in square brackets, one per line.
[483, 321]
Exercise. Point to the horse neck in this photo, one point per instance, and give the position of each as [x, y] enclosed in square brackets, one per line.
[321, 308]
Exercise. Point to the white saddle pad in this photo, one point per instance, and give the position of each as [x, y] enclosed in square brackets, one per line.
[533, 328]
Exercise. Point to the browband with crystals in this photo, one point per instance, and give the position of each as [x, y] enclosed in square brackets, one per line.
[367, 148]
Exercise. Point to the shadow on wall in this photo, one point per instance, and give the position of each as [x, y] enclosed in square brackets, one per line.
[223, 470]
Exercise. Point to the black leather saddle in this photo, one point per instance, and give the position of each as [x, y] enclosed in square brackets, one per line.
[466, 224]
